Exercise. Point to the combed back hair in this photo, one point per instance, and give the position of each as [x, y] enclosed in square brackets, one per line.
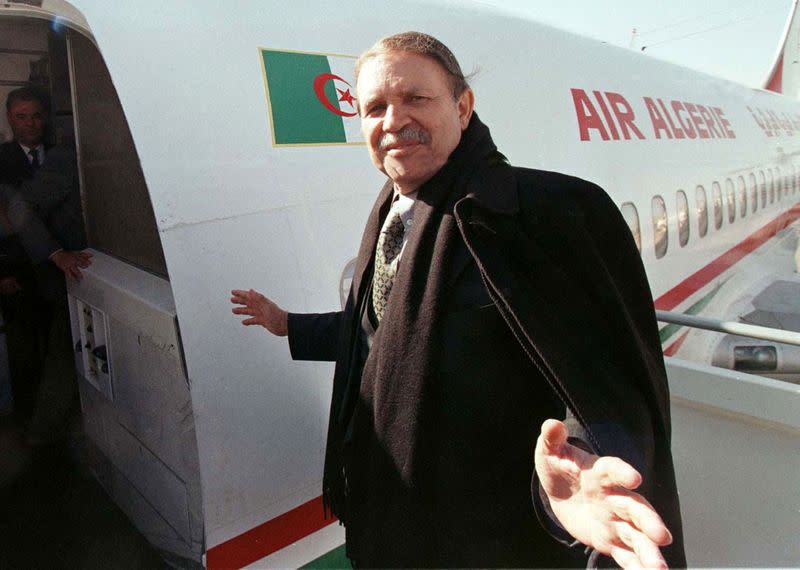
[28, 93]
[422, 44]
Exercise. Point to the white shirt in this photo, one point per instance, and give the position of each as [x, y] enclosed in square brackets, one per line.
[39, 152]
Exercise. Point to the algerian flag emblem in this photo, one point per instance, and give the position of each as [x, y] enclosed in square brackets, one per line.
[311, 98]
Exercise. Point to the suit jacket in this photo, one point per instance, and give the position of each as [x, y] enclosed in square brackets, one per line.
[42, 210]
[14, 168]
[561, 269]
[53, 194]
[14, 165]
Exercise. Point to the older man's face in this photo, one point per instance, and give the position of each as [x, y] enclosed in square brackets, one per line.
[26, 119]
[408, 116]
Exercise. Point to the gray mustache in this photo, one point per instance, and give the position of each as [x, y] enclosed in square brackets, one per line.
[406, 134]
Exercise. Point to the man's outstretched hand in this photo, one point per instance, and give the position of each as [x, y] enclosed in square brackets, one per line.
[592, 497]
[261, 310]
[71, 262]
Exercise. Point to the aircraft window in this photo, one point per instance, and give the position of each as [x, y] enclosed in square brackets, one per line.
[771, 185]
[753, 192]
[786, 183]
[683, 218]
[730, 197]
[742, 191]
[762, 183]
[660, 231]
[632, 218]
[778, 183]
[716, 196]
[702, 211]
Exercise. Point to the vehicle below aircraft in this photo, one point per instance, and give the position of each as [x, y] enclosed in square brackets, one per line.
[219, 149]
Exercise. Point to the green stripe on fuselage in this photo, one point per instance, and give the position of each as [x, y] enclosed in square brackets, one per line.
[336, 559]
[667, 331]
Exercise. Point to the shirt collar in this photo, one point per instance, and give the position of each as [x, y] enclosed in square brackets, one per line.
[404, 204]
[27, 149]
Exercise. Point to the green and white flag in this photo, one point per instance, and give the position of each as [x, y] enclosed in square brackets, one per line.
[311, 98]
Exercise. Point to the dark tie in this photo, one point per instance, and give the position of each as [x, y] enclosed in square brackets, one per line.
[34, 154]
[390, 243]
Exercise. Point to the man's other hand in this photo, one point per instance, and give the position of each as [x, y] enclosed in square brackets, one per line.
[593, 499]
[9, 286]
[261, 310]
[71, 262]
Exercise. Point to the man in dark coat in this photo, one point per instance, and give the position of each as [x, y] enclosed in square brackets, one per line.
[46, 178]
[516, 296]
[41, 229]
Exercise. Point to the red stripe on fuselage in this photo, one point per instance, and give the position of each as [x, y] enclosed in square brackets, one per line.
[702, 277]
[269, 537]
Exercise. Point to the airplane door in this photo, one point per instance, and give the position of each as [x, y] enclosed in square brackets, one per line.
[134, 392]
[134, 389]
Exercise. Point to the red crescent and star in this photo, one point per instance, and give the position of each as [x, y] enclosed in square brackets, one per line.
[344, 94]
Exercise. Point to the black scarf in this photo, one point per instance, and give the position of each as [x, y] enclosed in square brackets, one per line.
[383, 404]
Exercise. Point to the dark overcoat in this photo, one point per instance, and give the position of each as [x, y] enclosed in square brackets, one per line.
[559, 264]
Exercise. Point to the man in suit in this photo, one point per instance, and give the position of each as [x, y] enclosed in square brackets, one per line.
[467, 332]
[42, 234]
[51, 191]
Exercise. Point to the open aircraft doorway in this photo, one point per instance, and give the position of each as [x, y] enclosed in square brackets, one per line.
[134, 394]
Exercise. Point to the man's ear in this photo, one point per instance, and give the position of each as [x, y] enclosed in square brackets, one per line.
[466, 103]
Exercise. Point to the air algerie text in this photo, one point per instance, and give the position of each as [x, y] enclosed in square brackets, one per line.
[605, 115]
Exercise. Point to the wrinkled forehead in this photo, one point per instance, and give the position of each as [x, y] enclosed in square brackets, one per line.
[401, 70]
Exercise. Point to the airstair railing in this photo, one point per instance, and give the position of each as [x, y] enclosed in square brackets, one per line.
[730, 327]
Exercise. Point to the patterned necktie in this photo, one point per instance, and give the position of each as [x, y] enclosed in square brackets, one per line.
[387, 253]
[34, 154]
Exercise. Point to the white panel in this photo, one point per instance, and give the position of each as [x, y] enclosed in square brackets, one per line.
[162, 488]
[736, 445]
[757, 397]
[146, 430]
[151, 397]
[130, 295]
